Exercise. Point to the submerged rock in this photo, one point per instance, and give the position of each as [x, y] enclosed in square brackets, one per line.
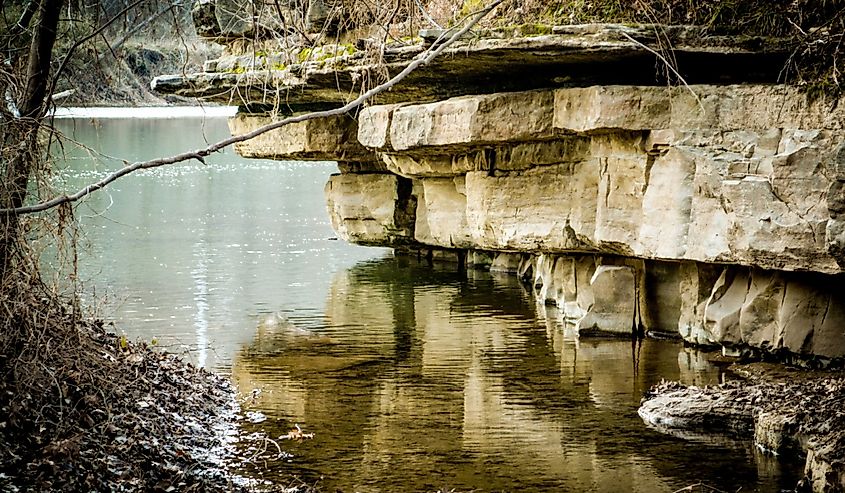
[793, 413]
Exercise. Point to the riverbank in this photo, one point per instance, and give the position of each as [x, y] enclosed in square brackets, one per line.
[115, 416]
[786, 412]
[122, 78]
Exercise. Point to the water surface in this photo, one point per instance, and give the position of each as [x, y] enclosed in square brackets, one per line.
[412, 378]
[192, 255]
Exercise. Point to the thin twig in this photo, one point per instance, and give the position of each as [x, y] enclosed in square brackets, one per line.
[701, 486]
[200, 154]
[426, 15]
[669, 66]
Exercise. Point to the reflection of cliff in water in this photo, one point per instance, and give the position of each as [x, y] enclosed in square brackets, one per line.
[422, 379]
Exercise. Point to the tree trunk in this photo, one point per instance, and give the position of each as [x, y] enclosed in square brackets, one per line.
[20, 147]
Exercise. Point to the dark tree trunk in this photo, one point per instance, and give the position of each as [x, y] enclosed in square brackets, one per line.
[20, 154]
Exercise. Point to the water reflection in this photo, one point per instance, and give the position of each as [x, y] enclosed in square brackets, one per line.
[422, 379]
[200, 275]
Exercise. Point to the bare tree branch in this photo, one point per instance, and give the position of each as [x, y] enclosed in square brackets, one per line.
[426, 15]
[669, 65]
[200, 154]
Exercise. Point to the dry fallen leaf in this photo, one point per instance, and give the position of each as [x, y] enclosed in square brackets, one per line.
[297, 434]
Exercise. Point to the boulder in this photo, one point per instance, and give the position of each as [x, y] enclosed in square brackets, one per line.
[790, 414]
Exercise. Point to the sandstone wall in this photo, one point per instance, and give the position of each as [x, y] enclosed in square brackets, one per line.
[710, 212]
[733, 306]
[735, 174]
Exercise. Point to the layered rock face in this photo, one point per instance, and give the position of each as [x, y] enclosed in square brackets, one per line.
[636, 171]
[711, 212]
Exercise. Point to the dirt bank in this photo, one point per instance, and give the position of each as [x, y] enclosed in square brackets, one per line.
[789, 412]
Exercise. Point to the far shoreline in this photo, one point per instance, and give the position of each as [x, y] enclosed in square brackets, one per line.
[114, 112]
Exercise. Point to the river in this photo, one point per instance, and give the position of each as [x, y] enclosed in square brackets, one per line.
[412, 378]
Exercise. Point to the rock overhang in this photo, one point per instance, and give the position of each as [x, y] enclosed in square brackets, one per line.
[492, 61]
[710, 210]
[741, 174]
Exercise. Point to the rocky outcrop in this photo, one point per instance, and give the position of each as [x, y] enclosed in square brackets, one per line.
[798, 414]
[228, 20]
[298, 78]
[738, 308]
[637, 171]
[332, 138]
[713, 211]
[371, 209]
[709, 212]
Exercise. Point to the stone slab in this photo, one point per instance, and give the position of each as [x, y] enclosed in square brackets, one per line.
[473, 120]
[321, 139]
[494, 64]
[726, 108]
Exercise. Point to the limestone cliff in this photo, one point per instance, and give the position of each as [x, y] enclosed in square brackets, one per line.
[713, 210]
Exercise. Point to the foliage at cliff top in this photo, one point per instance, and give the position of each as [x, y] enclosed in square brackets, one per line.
[816, 26]
[756, 17]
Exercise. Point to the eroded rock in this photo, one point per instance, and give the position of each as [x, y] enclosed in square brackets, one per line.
[371, 209]
[774, 311]
[650, 173]
[440, 215]
[615, 302]
[329, 138]
[787, 313]
[795, 413]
